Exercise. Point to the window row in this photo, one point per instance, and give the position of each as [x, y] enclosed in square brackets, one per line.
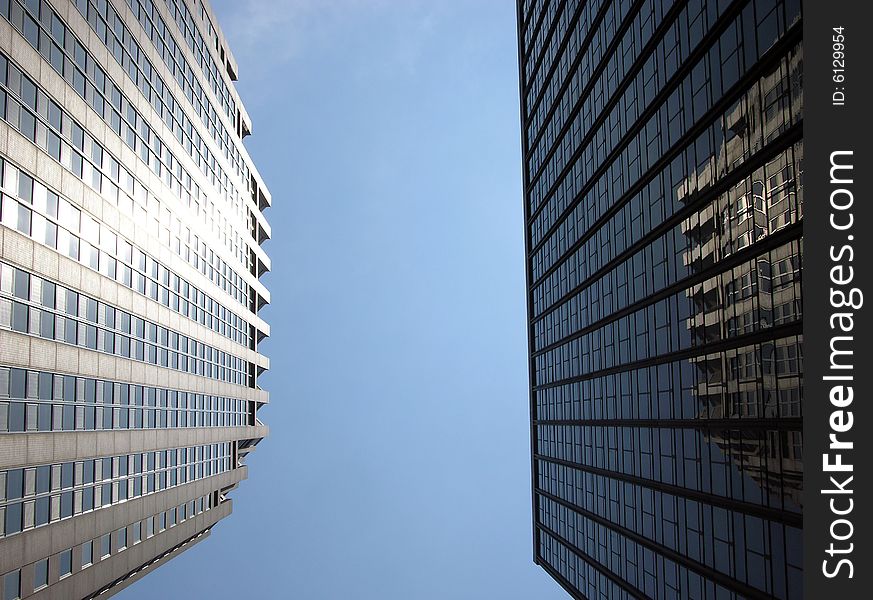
[35, 496]
[40, 401]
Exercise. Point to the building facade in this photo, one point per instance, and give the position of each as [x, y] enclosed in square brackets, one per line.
[662, 148]
[130, 259]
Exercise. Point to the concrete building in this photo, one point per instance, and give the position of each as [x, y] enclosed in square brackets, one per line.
[662, 146]
[130, 258]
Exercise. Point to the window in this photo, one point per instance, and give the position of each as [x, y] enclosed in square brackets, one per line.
[105, 546]
[19, 317]
[12, 585]
[13, 518]
[21, 287]
[67, 475]
[42, 511]
[14, 483]
[66, 505]
[65, 560]
[121, 539]
[87, 554]
[40, 574]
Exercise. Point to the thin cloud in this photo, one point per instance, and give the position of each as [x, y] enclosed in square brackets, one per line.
[266, 35]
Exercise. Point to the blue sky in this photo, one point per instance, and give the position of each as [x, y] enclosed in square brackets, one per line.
[398, 459]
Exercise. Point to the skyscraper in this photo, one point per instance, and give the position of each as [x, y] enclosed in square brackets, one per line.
[129, 290]
[662, 147]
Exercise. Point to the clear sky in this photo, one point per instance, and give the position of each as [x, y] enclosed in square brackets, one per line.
[397, 465]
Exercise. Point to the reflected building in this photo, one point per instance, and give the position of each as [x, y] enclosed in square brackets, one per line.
[663, 202]
[132, 224]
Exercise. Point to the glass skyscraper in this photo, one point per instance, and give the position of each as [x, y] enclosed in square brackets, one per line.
[662, 148]
[129, 290]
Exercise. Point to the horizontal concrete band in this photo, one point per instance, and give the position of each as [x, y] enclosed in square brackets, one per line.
[49, 447]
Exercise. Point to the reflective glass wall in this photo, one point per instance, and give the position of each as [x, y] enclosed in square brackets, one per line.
[663, 202]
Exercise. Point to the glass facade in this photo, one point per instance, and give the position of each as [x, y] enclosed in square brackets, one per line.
[131, 229]
[663, 161]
